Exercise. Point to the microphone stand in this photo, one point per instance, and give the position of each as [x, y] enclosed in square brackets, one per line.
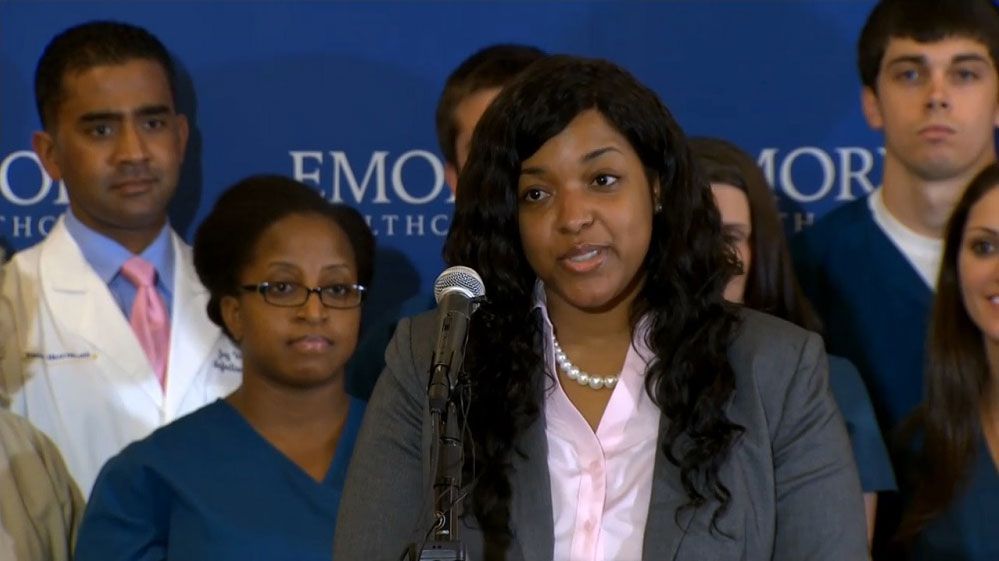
[446, 447]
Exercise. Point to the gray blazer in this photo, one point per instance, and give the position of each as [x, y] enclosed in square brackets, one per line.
[795, 490]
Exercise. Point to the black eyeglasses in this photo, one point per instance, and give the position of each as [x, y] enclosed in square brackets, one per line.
[292, 294]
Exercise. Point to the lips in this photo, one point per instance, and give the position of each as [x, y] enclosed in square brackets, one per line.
[936, 132]
[311, 344]
[583, 258]
[133, 185]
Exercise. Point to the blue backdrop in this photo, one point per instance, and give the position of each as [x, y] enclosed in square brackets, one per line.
[342, 95]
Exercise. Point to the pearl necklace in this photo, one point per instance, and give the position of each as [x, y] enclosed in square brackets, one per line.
[577, 375]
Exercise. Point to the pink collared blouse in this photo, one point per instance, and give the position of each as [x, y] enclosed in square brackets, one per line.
[601, 482]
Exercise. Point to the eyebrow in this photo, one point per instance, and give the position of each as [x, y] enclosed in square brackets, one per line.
[590, 156]
[985, 229]
[587, 157]
[970, 57]
[144, 111]
[287, 265]
[921, 59]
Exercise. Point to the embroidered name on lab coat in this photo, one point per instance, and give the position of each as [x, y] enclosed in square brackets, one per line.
[225, 361]
[58, 357]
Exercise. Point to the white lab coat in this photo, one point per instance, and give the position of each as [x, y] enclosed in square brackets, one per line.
[76, 370]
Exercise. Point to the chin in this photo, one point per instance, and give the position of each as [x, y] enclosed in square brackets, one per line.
[312, 378]
[596, 302]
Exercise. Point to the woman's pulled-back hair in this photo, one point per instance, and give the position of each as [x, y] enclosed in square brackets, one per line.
[686, 269]
[224, 243]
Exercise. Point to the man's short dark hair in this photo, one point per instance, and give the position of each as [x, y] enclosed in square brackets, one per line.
[925, 21]
[90, 44]
[491, 67]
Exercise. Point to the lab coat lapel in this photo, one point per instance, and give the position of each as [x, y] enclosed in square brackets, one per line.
[192, 335]
[81, 301]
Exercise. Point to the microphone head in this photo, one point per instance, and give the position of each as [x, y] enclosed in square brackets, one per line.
[462, 279]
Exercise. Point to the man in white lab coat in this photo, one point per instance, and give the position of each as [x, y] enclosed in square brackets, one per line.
[112, 339]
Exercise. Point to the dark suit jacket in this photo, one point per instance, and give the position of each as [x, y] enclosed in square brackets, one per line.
[795, 491]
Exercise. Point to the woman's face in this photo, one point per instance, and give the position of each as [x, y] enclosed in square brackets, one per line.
[737, 225]
[978, 265]
[301, 346]
[585, 215]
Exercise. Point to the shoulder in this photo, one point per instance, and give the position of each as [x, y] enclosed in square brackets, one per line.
[852, 213]
[17, 435]
[768, 354]
[54, 255]
[417, 334]
[761, 336]
[24, 263]
[833, 227]
[844, 374]
[194, 431]
[421, 321]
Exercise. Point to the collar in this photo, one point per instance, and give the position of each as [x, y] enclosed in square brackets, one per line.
[106, 256]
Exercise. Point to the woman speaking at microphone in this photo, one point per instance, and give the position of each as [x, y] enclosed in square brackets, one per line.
[259, 474]
[619, 408]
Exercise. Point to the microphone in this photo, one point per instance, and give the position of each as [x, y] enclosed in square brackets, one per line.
[457, 290]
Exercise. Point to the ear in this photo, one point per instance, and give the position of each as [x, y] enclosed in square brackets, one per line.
[657, 202]
[872, 108]
[45, 147]
[183, 130]
[232, 316]
[451, 176]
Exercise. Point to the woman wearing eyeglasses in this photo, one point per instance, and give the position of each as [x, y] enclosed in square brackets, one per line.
[259, 474]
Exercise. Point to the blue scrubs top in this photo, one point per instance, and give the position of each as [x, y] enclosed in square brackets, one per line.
[874, 306]
[208, 487]
[969, 529]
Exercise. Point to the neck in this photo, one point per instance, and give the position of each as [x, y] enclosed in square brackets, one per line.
[136, 239]
[278, 409]
[576, 327]
[136, 243]
[921, 205]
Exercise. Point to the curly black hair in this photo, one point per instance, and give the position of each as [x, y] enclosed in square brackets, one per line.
[687, 267]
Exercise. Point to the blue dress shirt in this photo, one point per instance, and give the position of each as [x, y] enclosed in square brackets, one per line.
[107, 256]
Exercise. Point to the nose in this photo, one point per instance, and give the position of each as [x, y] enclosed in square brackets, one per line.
[938, 96]
[575, 211]
[131, 145]
[312, 310]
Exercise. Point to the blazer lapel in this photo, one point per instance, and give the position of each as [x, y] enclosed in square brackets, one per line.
[83, 304]
[664, 530]
[531, 509]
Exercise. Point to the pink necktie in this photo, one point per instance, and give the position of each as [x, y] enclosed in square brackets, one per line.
[149, 318]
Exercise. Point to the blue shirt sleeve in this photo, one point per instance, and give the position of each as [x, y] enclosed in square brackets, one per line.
[126, 518]
[873, 462]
